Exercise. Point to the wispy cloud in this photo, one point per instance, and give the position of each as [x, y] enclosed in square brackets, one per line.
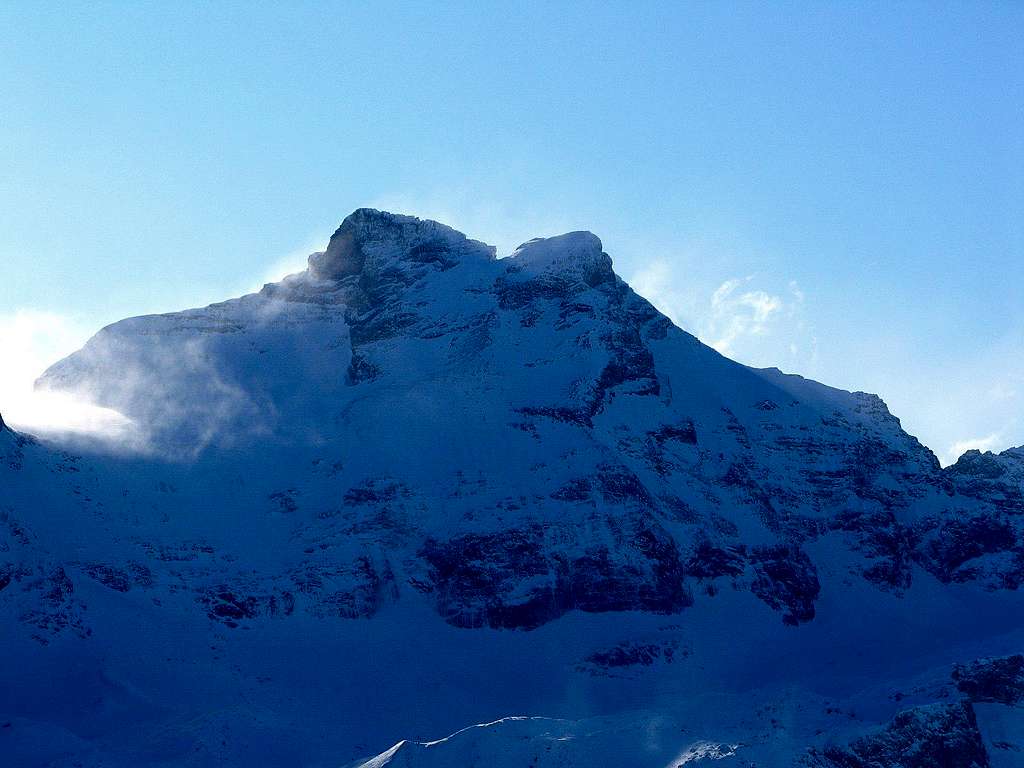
[991, 442]
[765, 323]
[739, 318]
[30, 341]
[737, 313]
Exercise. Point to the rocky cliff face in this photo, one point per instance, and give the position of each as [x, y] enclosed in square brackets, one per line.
[520, 464]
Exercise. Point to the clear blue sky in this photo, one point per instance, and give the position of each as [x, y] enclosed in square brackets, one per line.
[836, 189]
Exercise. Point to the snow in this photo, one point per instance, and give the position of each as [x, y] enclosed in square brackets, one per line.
[417, 488]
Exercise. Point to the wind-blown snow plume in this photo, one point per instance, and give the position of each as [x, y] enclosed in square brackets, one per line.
[31, 340]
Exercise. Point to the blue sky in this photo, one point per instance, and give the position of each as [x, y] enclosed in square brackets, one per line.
[836, 189]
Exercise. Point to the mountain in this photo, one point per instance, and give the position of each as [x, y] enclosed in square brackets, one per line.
[416, 490]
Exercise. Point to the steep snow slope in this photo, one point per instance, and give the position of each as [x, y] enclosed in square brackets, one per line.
[415, 488]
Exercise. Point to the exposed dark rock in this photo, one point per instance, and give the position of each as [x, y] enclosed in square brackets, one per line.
[738, 474]
[577, 416]
[723, 525]
[367, 237]
[933, 736]
[281, 605]
[476, 578]
[889, 544]
[284, 501]
[975, 464]
[951, 544]
[659, 447]
[999, 680]
[685, 433]
[186, 551]
[12, 573]
[378, 325]
[437, 253]
[373, 491]
[360, 369]
[518, 294]
[620, 486]
[866, 461]
[631, 363]
[354, 590]
[232, 604]
[109, 576]
[786, 580]
[578, 489]
[630, 654]
[56, 610]
[572, 311]
[677, 510]
[629, 369]
[141, 575]
[120, 579]
[997, 479]
[738, 431]
[229, 607]
[471, 574]
[710, 562]
[370, 587]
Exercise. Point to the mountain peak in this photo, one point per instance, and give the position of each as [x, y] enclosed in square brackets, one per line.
[369, 240]
[575, 253]
[414, 439]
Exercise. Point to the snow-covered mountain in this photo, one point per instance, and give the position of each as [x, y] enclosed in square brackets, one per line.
[416, 490]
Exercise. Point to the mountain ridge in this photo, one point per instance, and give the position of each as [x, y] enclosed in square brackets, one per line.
[423, 488]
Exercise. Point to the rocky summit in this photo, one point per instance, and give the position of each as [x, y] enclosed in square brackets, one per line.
[421, 506]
